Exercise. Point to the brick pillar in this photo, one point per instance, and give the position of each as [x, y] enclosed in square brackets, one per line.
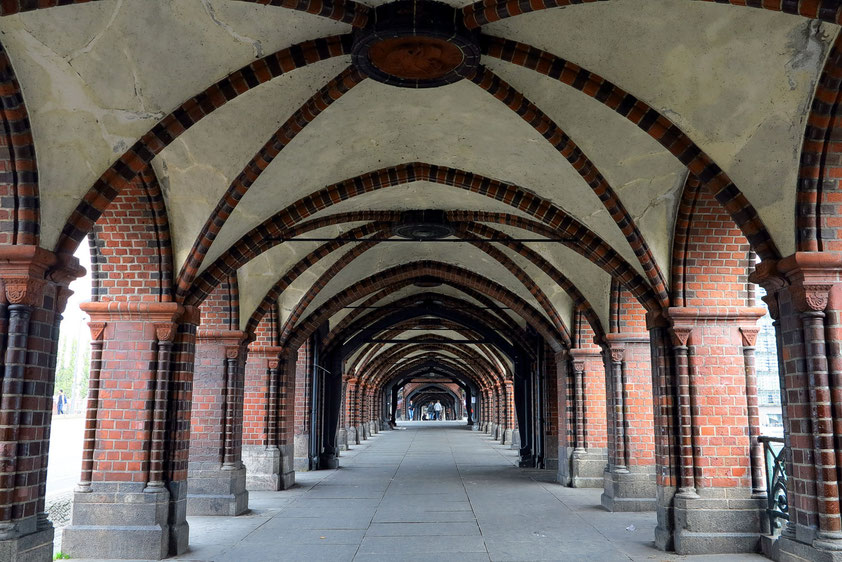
[132, 499]
[587, 459]
[351, 411]
[33, 293]
[714, 510]
[494, 427]
[629, 483]
[362, 426]
[301, 415]
[216, 473]
[266, 469]
[804, 293]
[508, 411]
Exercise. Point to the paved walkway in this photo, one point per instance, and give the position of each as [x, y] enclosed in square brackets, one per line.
[429, 491]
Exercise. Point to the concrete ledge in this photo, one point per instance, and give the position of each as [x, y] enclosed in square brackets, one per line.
[587, 469]
[32, 547]
[631, 491]
[118, 524]
[217, 492]
[722, 521]
[263, 467]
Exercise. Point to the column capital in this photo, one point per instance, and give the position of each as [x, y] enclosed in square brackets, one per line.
[228, 338]
[749, 335]
[26, 269]
[811, 276]
[680, 335]
[157, 312]
[273, 363]
[97, 330]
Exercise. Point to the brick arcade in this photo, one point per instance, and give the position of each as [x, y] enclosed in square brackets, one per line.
[303, 216]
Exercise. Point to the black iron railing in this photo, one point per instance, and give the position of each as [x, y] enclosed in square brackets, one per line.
[777, 506]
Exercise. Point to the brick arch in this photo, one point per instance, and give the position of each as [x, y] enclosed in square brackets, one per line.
[488, 350]
[529, 112]
[120, 174]
[579, 300]
[401, 327]
[346, 11]
[487, 11]
[20, 214]
[422, 362]
[465, 358]
[131, 247]
[656, 125]
[449, 274]
[272, 295]
[281, 138]
[353, 323]
[377, 358]
[576, 236]
[818, 205]
[701, 274]
[346, 259]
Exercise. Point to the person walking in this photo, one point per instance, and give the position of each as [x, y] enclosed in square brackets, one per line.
[431, 412]
[437, 407]
[61, 406]
[411, 410]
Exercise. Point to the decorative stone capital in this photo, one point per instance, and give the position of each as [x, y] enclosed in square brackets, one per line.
[272, 363]
[810, 297]
[97, 330]
[680, 335]
[749, 335]
[28, 292]
[811, 276]
[232, 352]
[165, 331]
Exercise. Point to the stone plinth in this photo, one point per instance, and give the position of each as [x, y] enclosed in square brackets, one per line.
[629, 491]
[216, 491]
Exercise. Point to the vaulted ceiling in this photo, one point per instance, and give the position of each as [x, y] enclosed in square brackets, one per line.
[737, 81]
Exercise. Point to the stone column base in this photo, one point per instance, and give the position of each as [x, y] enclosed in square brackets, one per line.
[216, 491]
[721, 521]
[36, 546]
[507, 437]
[629, 491]
[263, 467]
[301, 452]
[353, 436]
[514, 443]
[587, 468]
[120, 521]
[362, 432]
[373, 430]
[342, 439]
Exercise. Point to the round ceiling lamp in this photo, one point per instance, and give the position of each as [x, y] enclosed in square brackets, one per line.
[423, 226]
[416, 44]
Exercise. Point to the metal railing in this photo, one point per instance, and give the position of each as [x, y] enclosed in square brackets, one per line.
[777, 506]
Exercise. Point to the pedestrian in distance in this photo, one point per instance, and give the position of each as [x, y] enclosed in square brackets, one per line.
[438, 409]
[61, 405]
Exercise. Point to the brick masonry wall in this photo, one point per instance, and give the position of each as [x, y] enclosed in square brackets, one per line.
[710, 254]
[720, 416]
[130, 246]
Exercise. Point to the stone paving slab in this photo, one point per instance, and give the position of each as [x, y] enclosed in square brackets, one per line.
[429, 491]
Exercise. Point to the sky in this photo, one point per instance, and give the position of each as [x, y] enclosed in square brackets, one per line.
[74, 319]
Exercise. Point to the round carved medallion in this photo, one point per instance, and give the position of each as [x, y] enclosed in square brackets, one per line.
[416, 44]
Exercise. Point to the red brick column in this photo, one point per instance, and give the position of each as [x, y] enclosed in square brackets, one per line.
[138, 467]
[629, 483]
[301, 414]
[33, 293]
[261, 412]
[714, 509]
[804, 293]
[508, 411]
[216, 474]
[587, 381]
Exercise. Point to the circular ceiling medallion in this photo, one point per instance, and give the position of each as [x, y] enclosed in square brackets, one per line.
[423, 225]
[416, 44]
